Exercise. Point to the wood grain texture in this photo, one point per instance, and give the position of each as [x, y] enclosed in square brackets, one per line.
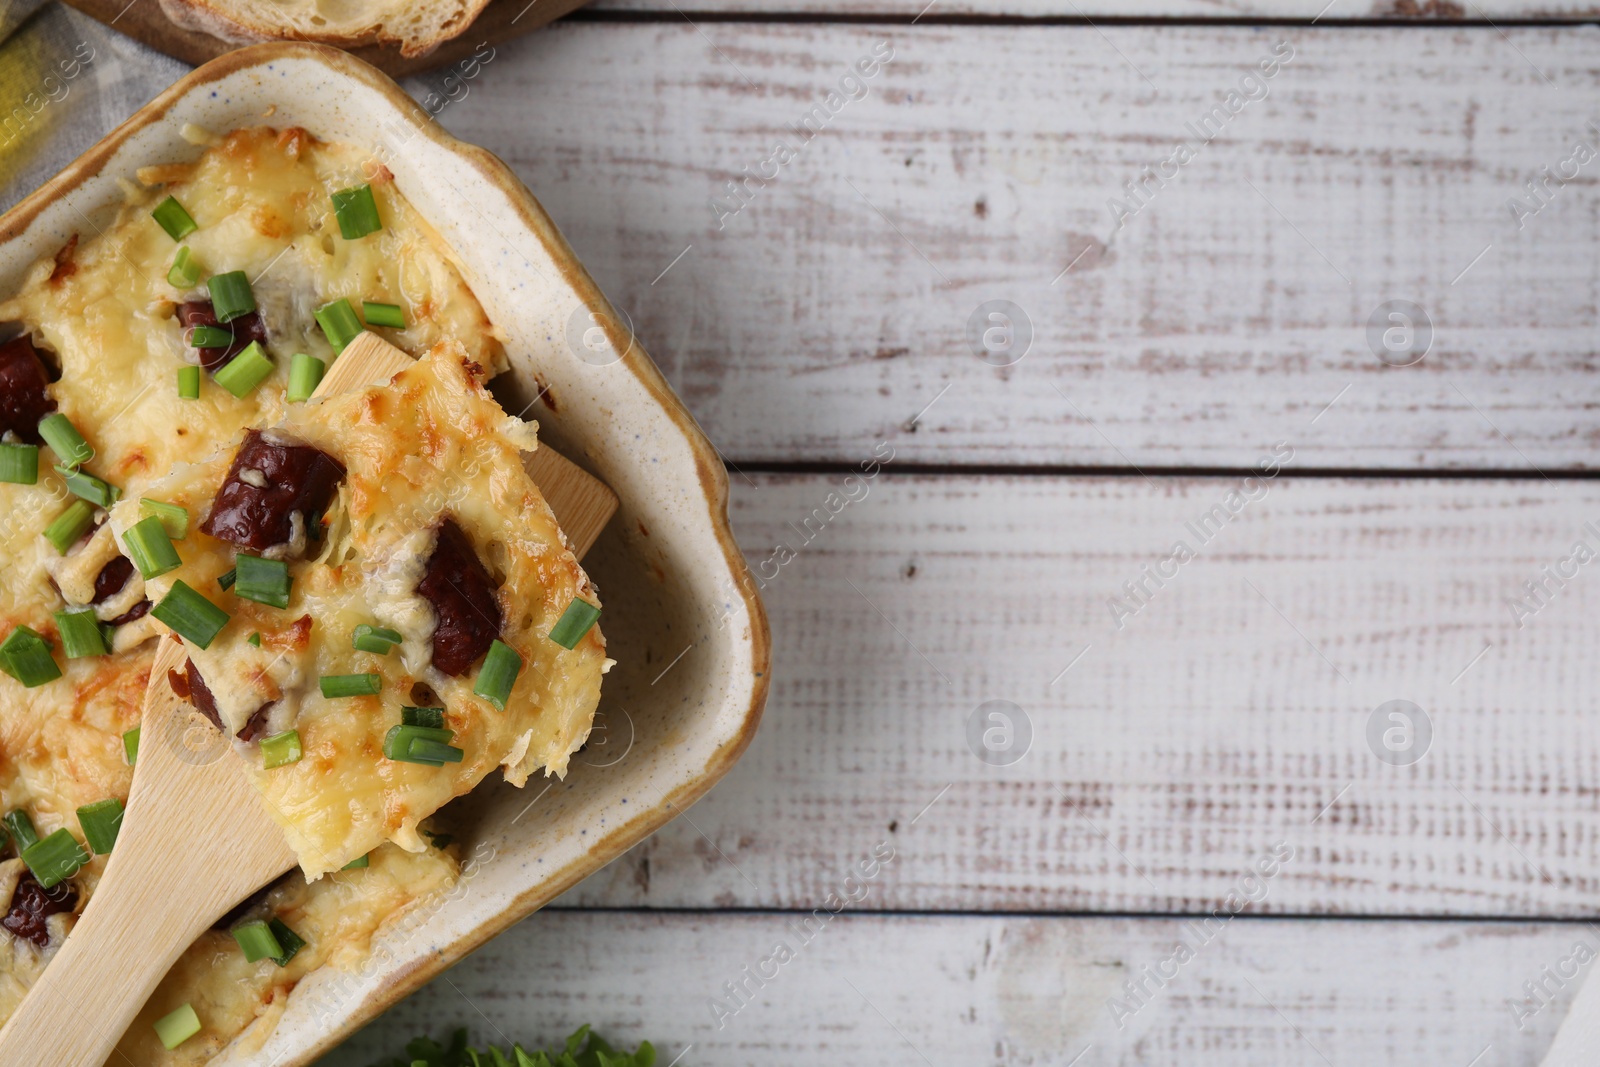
[995, 990]
[1229, 713]
[195, 841]
[1227, 314]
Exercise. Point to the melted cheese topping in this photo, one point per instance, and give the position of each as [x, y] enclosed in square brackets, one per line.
[103, 312]
[430, 444]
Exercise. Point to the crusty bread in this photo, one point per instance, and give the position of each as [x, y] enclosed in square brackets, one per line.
[417, 26]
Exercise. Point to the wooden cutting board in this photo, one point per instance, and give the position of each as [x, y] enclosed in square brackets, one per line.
[500, 22]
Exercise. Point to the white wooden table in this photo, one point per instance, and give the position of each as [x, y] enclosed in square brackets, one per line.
[1176, 740]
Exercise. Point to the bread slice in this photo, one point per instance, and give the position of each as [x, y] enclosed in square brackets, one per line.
[417, 26]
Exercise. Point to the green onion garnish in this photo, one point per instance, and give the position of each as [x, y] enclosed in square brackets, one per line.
[174, 219]
[230, 295]
[245, 371]
[173, 518]
[361, 862]
[179, 1026]
[19, 464]
[190, 615]
[420, 744]
[339, 323]
[350, 685]
[254, 639]
[305, 372]
[101, 821]
[86, 486]
[280, 750]
[184, 272]
[210, 337]
[574, 623]
[432, 718]
[291, 941]
[21, 827]
[65, 440]
[383, 314]
[257, 941]
[227, 579]
[379, 639]
[80, 633]
[498, 674]
[189, 383]
[266, 581]
[357, 212]
[130, 746]
[54, 859]
[69, 525]
[26, 656]
[150, 547]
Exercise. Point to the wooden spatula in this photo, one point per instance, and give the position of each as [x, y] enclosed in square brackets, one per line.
[196, 838]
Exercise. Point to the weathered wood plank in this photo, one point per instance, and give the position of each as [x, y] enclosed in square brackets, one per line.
[970, 990]
[1307, 10]
[1227, 314]
[1228, 713]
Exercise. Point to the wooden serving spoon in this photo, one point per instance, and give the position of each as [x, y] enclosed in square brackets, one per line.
[196, 838]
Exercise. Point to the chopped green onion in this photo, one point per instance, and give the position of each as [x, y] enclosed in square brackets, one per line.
[254, 639]
[379, 639]
[174, 219]
[574, 623]
[280, 750]
[65, 440]
[357, 212]
[420, 744]
[190, 615]
[21, 827]
[174, 519]
[350, 685]
[177, 1027]
[19, 464]
[266, 581]
[96, 491]
[498, 674]
[69, 525]
[339, 323]
[257, 940]
[54, 859]
[27, 658]
[305, 372]
[184, 272]
[383, 314]
[130, 746]
[101, 821]
[245, 371]
[291, 941]
[210, 337]
[150, 547]
[230, 295]
[226, 580]
[432, 718]
[80, 633]
[361, 862]
[189, 383]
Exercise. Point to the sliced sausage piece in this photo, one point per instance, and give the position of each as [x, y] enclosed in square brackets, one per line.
[32, 904]
[246, 328]
[205, 702]
[269, 482]
[462, 595]
[112, 577]
[24, 399]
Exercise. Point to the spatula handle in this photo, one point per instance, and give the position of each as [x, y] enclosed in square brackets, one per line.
[190, 848]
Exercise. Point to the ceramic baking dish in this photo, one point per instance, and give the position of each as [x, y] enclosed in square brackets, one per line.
[675, 585]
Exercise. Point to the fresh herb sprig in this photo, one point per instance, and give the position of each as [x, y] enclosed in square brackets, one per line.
[583, 1049]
